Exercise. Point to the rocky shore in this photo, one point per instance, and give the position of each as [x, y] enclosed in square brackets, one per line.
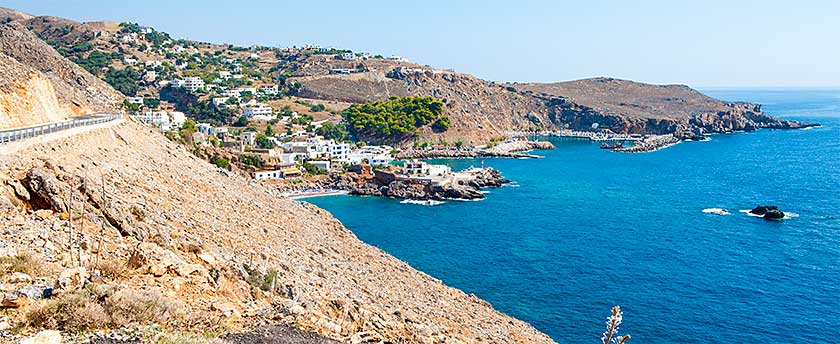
[514, 149]
[464, 185]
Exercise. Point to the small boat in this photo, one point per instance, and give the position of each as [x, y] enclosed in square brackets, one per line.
[613, 146]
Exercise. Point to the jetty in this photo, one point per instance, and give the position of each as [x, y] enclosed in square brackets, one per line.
[579, 134]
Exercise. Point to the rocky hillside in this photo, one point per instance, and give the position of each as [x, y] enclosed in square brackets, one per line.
[478, 110]
[631, 107]
[38, 85]
[231, 252]
[481, 110]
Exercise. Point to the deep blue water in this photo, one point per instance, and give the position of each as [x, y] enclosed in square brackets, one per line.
[587, 229]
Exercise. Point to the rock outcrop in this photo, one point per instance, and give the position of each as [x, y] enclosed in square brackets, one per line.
[388, 184]
[768, 212]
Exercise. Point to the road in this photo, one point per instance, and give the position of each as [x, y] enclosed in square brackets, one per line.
[20, 134]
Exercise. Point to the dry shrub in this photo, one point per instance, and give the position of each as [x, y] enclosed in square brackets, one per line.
[114, 270]
[74, 312]
[129, 306]
[99, 307]
[24, 262]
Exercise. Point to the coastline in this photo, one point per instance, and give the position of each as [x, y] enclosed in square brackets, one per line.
[316, 193]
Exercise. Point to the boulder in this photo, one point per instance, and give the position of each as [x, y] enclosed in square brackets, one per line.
[762, 209]
[72, 279]
[11, 300]
[35, 291]
[44, 337]
[774, 214]
[18, 278]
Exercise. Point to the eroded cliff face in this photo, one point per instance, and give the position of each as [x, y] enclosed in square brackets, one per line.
[38, 85]
[30, 100]
[186, 229]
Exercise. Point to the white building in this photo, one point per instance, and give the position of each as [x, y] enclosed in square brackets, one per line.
[156, 118]
[231, 93]
[416, 168]
[339, 151]
[258, 109]
[224, 74]
[153, 64]
[269, 89]
[192, 83]
[219, 101]
[134, 100]
[129, 61]
[248, 138]
[348, 56]
[177, 119]
[150, 76]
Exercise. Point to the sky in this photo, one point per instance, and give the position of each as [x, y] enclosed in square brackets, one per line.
[712, 43]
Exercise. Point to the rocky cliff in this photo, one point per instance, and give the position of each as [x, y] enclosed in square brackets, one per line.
[38, 85]
[232, 252]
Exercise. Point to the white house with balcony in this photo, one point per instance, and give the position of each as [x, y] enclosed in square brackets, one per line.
[339, 151]
[258, 110]
[192, 83]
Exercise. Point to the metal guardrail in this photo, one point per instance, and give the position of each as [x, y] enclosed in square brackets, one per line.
[12, 135]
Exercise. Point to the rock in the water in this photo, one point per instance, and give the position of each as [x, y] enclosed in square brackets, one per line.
[774, 214]
[762, 209]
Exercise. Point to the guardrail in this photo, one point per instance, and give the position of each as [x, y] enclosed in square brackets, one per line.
[12, 135]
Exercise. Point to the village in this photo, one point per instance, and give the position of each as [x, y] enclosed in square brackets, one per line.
[236, 108]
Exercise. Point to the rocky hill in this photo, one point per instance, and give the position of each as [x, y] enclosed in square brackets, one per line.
[231, 252]
[630, 107]
[481, 110]
[38, 85]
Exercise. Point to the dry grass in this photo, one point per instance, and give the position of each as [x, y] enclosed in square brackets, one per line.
[114, 270]
[25, 263]
[100, 307]
[187, 339]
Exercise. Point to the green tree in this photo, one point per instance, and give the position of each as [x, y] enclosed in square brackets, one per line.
[124, 80]
[241, 121]
[263, 142]
[334, 131]
[396, 119]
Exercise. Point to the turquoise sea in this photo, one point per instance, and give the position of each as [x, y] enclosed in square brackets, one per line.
[585, 229]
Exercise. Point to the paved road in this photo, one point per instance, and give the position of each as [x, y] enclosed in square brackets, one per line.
[19, 134]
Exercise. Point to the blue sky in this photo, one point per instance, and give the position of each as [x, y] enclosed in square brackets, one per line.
[702, 43]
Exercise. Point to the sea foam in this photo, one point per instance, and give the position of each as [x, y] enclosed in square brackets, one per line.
[716, 211]
[422, 202]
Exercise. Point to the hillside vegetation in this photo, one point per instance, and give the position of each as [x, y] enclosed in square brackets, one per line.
[395, 119]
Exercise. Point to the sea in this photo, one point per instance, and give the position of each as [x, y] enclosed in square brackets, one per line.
[585, 229]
